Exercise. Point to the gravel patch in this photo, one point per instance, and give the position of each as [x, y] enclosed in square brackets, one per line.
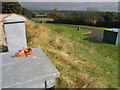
[3, 44]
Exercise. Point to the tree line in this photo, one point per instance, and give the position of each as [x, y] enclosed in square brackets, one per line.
[91, 18]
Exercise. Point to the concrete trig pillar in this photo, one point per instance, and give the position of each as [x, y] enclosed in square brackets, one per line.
[34, 71]
[14, 27]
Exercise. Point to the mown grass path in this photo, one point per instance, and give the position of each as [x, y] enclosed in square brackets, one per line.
[95, 33]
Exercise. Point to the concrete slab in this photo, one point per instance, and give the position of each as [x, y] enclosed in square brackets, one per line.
[16, 36]
[0, 71]
[23, 89]
[28, 72]
[34, 71]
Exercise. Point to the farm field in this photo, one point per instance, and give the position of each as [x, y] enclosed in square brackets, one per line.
[43, 19]
[83, 62]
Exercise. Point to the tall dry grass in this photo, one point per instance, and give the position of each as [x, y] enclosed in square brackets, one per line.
[72, 65]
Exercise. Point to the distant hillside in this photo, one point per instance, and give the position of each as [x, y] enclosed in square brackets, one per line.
[15, 7]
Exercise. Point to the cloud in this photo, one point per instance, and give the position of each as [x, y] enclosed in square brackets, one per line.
[80, 6]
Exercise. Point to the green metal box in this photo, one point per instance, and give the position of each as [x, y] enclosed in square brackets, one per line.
[112, 36]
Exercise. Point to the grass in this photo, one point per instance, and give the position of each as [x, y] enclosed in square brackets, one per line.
[93, 27]
[82, 61]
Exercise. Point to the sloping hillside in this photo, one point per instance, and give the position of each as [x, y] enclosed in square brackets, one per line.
[83, 62]
[15, 7]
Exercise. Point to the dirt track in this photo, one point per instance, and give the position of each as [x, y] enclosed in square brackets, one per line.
[95, 33]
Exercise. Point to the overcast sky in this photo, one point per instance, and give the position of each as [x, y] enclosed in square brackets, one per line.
[80, 6]
[68, 0]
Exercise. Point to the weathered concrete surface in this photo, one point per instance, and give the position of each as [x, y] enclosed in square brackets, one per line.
[0, 71]
[13, 18]
[16, 36]
[23, 89]
[27, 72]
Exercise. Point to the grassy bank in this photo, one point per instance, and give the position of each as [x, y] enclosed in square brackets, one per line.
[83, 62]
